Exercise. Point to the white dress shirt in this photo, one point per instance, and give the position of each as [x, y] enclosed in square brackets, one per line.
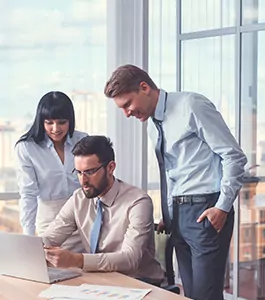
[201, 154]
[41, 175]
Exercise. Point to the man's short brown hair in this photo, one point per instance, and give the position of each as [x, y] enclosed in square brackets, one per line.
[126, 79]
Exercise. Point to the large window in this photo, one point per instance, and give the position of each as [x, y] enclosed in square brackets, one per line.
[44, 46]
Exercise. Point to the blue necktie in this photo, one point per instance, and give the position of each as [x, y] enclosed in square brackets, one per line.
[159, 149]
[95, 231]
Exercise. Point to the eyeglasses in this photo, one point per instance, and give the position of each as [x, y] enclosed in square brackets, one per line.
[89, 172]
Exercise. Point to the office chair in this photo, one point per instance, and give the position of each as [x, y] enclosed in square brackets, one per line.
[165, 257]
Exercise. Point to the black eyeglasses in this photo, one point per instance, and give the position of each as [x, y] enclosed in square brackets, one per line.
[89, 172]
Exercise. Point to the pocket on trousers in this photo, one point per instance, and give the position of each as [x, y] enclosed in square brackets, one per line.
[209, 226]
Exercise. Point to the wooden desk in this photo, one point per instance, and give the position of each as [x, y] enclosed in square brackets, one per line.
[19, 289]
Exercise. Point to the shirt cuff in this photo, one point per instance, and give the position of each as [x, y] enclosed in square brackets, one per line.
[29, 230]
[224, 203]
[91, 262]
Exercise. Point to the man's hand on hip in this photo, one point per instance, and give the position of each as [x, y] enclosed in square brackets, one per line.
[216, 216]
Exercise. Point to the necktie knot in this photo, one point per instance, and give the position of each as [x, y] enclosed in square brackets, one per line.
[99, 205]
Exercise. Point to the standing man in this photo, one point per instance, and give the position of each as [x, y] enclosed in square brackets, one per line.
[201, 168]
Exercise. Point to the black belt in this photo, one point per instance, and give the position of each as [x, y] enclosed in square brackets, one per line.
[194, 198]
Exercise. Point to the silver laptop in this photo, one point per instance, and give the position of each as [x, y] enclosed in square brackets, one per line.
[23, 256]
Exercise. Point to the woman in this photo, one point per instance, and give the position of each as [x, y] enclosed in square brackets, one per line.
[45, 164]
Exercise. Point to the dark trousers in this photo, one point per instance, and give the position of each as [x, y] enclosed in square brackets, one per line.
[201, 251]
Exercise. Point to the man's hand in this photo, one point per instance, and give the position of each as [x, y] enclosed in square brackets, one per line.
[61, 258]
[216, 216]
[160, 227]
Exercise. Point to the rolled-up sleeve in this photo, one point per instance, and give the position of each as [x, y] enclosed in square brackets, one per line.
[212, 129]
[28, 189]
[137, 236]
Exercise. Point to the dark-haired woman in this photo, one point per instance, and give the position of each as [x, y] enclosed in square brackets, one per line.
[45, 164]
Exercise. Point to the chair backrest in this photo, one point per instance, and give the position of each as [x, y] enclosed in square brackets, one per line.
[164, 254]
[160, 245]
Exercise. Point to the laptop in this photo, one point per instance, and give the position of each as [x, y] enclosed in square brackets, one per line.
[23, 256]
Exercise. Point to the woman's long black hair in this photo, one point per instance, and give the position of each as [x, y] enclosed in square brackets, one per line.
[53, 105]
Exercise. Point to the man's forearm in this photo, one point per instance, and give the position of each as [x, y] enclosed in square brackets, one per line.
[122, 261]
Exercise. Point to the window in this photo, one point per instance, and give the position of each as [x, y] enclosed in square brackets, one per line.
[247, 255]
[206, 14]
[246, 196]
[262, 216]
[247, 234]
[52, 45]
[211, 72]
[253, 11]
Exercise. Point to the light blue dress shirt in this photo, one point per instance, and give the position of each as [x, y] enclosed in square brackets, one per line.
[41, 175]
[201, 154]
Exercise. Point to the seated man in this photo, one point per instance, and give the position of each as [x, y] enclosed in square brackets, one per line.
[114, 219]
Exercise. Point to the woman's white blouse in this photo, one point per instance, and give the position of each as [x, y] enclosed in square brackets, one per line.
[41, 175]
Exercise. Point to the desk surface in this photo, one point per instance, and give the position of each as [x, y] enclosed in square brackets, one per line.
[14, 288]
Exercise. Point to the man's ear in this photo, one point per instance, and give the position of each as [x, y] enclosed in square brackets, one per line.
[111, 167]
[144, 87]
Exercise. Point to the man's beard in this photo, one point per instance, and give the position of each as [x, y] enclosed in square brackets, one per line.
[96, 191]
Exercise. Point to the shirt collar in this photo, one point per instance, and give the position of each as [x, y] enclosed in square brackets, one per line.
[68, 140]
[49, 142]
[160, 106]
[112, 193]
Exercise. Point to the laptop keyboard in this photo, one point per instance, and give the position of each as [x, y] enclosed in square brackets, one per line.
[59, 274]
